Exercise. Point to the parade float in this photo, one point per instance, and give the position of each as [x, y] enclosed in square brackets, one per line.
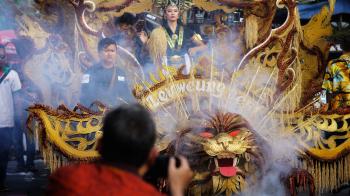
[235, 121]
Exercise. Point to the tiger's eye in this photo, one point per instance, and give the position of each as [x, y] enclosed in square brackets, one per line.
[206, 134]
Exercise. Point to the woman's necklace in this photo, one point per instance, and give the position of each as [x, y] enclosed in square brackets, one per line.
[174, 37]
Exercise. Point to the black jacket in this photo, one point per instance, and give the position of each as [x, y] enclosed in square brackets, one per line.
[106, 85]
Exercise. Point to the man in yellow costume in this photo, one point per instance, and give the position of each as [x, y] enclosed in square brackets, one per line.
[336, 82]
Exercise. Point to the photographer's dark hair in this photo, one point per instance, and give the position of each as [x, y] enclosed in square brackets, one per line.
[104, 43]
[129, 134]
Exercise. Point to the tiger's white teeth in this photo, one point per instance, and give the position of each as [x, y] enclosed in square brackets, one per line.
[235, 160]
[225, 156]
[216, 162]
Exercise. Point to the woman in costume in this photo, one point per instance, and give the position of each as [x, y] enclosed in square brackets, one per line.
[173, 43]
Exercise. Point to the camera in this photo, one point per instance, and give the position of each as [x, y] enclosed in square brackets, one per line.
[159, 170]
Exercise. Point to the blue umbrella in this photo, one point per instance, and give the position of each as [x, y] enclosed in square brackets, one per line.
[306, 11]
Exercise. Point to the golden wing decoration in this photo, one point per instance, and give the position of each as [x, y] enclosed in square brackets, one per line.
[324, 139]
[314, 49]
[65, 135]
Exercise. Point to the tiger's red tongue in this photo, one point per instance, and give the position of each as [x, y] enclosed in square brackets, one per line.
[228, 171]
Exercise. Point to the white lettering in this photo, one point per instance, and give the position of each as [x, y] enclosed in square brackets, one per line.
[220, 89]
[184, 88]
[181, 87]
[189, 87]
[151, 102]
[211, 86]
[162, 96]
[200, 86]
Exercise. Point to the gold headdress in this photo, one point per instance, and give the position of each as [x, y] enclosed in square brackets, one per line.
[183, 5]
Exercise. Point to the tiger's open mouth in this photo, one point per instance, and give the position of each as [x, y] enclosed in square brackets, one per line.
[227, 166]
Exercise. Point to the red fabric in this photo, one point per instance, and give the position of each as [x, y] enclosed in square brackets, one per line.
[97, 179]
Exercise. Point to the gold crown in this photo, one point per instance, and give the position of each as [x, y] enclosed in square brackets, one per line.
[183, 5]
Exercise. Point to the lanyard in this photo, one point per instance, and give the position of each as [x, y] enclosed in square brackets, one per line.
[5, 73]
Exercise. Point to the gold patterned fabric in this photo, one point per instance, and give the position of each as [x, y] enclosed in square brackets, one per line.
[337, 81]
[183, 5]
[175, 38]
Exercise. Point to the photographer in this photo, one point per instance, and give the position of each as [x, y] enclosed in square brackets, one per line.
[127, 152]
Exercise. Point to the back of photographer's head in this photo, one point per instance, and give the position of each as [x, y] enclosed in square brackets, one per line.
[129, 134]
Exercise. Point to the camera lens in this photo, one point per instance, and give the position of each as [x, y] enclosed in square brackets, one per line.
[159, 169]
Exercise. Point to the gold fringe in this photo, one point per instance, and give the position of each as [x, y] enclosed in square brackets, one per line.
[52, 158]
[157, 45]
[298, 26]
[327, 175]
[252, 28]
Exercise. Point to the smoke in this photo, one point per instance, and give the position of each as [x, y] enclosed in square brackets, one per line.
[271, 183]
[264, 116]
[53, 52]
[44, 60]
[250, 94]
[49, 50]
[280, 153]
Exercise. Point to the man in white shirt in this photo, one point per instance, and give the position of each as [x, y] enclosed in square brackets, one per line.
[9, 85]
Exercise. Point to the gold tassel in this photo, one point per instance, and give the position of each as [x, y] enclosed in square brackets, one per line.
[346, 171]
[327, 175]
[328, 182]
[157, 45]
[342, 170]
[319, 171]
[333, 180]
[323, 178]
[318, 177]
[336, 178]
[252, 28]
[340, 174]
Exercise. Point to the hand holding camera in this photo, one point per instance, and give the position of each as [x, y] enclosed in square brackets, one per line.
[175, 169]
[179, 176]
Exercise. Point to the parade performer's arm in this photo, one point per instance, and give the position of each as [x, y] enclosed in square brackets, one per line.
[200, 45]
[143, 37]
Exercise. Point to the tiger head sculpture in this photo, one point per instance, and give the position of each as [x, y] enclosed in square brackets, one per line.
[223, 150]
